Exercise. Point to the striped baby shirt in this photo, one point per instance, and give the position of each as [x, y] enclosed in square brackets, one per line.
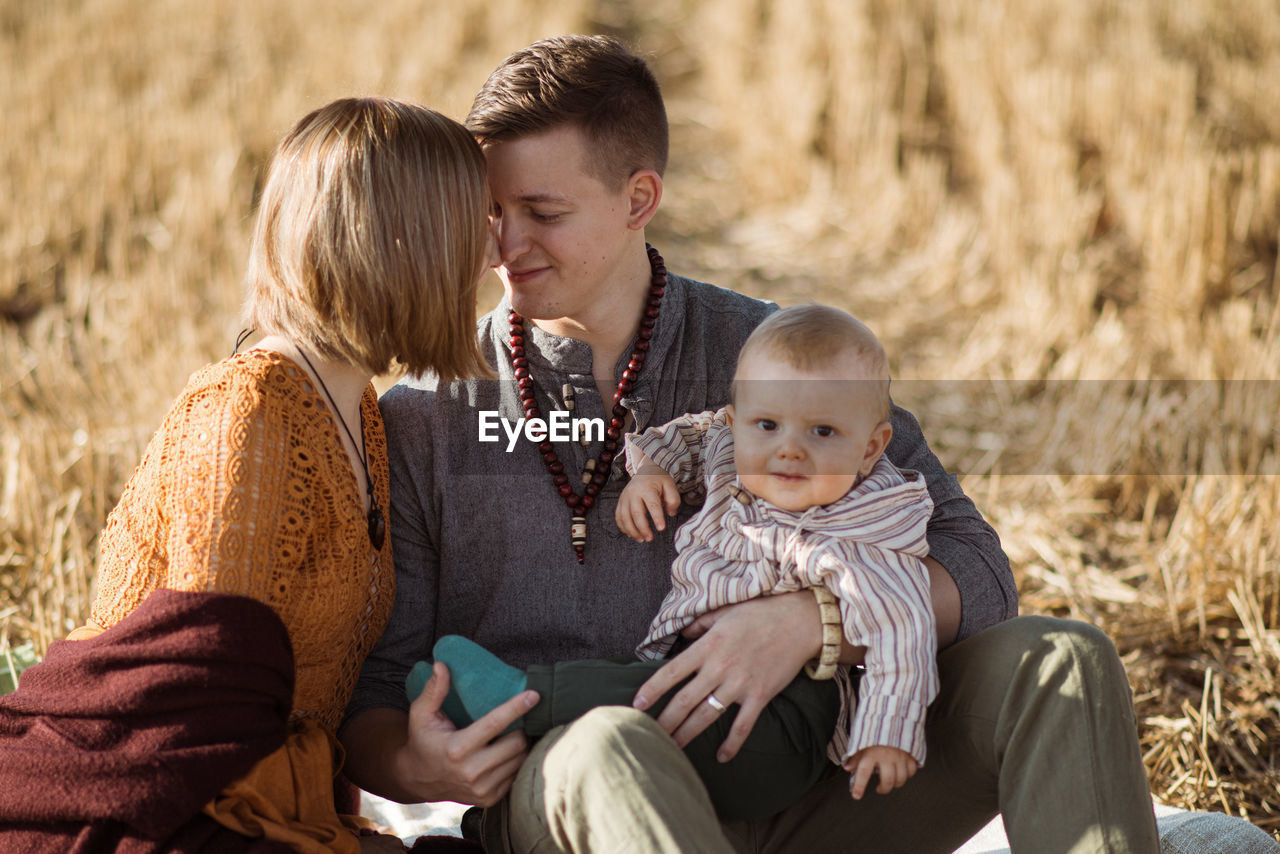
[866, 548]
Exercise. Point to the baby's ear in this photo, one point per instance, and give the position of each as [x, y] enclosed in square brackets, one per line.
[876, 443]
[728, 415]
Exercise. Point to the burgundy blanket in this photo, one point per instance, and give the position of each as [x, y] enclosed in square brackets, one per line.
[115, 743]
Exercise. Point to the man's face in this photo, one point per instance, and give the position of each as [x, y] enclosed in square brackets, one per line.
[801, 438]
[561, 232]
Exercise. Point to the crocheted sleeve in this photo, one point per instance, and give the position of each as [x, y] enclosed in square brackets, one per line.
[216, 504]
[237, 515]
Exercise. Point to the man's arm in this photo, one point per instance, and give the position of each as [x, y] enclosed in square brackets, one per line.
[412, 753]
[982, 592]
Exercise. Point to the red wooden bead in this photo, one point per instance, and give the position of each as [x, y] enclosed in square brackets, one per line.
[628, 376]
[587, 501]
[645, 333]
[517, 341]
[642, 346]
[616, 423]
[519, 362]
[598, 479]
[546, 447]
[521, 373]
[517, 351]
[565, 490]
[524, 382]
[561, 480]
[619, 411]
[555, 467]
[550, 458]
[652, 312]
[572, 500]
[612, 434]
[636, 363]
[592, 490]
[610, 445]
[657, 291]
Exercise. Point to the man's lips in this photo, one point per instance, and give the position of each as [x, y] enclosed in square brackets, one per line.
[520, 277]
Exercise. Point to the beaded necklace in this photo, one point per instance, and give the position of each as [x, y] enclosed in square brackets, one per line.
[596, 473]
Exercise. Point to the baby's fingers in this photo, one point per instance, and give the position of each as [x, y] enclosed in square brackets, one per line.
[653, 502]
[631, 519]
[862, 772]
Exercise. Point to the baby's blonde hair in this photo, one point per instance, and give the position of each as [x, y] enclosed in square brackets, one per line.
[810, 336]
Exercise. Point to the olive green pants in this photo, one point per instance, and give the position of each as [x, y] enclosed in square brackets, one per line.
[1034, 720]
[779, 762]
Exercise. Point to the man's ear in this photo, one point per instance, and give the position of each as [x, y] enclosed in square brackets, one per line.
[876, 443]
[644, 194]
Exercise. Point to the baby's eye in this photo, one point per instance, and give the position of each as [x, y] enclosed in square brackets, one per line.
[767, 425]
[823, 431]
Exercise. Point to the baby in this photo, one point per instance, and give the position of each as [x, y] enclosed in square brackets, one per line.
[796, 494]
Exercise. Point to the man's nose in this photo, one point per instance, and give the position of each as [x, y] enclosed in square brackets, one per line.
[513, 240]
[492, 257]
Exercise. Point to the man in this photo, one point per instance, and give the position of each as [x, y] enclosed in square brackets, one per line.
[1034, 718]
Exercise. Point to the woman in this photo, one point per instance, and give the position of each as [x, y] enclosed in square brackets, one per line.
[268, 478]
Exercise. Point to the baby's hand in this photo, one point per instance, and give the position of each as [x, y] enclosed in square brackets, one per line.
[895, 767]
[650, 492]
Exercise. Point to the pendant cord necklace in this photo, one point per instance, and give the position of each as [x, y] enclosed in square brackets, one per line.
[377, 524]
[596, 473]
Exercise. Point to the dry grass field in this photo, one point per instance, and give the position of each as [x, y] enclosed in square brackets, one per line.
[1062, 217]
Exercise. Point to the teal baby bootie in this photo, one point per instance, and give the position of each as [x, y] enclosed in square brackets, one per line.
[479, 681]
[417, 680]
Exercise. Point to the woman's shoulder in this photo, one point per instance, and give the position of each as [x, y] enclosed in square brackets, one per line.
[248, 381]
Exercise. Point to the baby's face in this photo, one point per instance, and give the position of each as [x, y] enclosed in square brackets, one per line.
[801, 438]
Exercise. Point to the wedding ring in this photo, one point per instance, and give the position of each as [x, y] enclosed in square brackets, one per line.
[715, 704]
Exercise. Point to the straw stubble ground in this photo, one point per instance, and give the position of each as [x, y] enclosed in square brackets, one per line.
[1062, 218]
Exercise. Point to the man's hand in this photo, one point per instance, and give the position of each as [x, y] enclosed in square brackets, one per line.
[424, 757]
[749, 652]
[895, 767]
[651, 494]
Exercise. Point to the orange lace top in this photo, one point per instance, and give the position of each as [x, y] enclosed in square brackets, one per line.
[246, 489]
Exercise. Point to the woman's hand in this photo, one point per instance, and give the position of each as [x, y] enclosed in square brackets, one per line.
[439, 762]
[746, 654]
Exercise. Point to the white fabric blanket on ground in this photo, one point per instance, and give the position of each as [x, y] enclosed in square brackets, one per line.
[1181, 832]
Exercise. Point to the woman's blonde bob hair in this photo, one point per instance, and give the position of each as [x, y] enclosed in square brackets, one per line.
[371, 238]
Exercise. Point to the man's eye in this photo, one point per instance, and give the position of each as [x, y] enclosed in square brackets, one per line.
[767, 425]
[546, 217]
[824, 431]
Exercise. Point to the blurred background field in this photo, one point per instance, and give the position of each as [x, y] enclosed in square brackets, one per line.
[1062, 218]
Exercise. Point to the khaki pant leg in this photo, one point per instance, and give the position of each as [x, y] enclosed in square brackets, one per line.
[612, 782]
[1034, 720]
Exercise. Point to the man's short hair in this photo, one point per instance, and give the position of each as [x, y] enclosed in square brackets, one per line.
[371, 238]
[592, 82]
[812, 336]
